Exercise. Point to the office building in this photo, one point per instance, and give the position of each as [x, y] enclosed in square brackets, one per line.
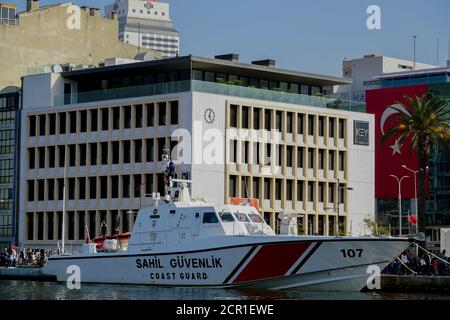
[392, 88]
[362, 71]
[109, 126]
[146, 24]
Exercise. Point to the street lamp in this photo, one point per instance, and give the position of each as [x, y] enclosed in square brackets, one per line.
[399, 180]
[415, 194]
[339, 188]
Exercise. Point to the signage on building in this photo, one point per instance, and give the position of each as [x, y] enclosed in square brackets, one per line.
[361, 133]
[148, 5]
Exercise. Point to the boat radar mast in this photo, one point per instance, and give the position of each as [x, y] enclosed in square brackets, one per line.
[180, 193]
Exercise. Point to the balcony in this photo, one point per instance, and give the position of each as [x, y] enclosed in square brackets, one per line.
[208, 87]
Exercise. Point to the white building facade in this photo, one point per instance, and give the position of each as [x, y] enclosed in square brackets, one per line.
[146, 24]
[316, 163]
[363, 70]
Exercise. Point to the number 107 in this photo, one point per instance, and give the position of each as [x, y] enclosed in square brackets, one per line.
[352, 253]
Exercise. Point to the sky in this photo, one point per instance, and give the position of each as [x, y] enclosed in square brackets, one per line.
[310, 36]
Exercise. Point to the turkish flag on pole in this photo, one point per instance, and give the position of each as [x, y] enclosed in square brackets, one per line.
[412, 219]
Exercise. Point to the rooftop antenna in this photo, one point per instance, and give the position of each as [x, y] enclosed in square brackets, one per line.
[437, 52]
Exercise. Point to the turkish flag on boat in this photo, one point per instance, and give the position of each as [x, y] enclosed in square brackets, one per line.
[412, 219]
[390, 157]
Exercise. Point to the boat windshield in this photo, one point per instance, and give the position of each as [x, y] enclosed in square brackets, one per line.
[255, 218]
[241, 217]
[226, 217]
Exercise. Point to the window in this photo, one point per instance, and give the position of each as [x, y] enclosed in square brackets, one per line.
[31, 158]
[92, 187]
[127, 117]
[226, 217]
[126, 152]
[289, 190]
[62, 156]
[82, 188]
[116, 118]
[62, 123]
[341, 161]
[311, 125]
[174, 112]
[104, 187]
[233, 151]
[105, 119]
[341, 128]
[52, 118]
[104, 151]
[94, 119]
[289, 156]
[331, 127]
[268, 120]
[93, 152]
[115, 152]
[41, 153]
[162, 113]
[245, 117]
[210, 217]
[72, 155]
[311, 191]
[299, 190]
[138, 110]
[126, 186]
[51, 157]
[321, 126]
[300, 124]
[233, 186]
[233, 116]
[30, 184]
[321, 192]
[83, 124]
[114, 187]
[73, 121]
[150, 114]
[150, 150]
[267, 191]
[321, 159]
[331, 160]
[42, 125]
[82, 148]
[310, 158]
[138, 151]
[32, 125]
[289, 122]
[255, 194]
[256, 118]
[277, 189]
[300, 163]
[278, 120]
[331, 191]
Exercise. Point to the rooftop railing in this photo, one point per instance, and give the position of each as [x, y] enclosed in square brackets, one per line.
[208, 87]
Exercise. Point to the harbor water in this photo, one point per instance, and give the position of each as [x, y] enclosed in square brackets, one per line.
[35, 290]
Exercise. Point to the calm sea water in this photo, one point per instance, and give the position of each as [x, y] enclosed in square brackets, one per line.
[30, 290]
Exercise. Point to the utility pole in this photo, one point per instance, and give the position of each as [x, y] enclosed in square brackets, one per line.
[399, 180]
[414, 56]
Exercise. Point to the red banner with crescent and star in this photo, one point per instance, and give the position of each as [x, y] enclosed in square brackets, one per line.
[390, 157]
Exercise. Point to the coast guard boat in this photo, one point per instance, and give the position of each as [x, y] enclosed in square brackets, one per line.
[183, 242]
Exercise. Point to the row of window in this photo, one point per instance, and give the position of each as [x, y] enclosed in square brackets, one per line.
[121, 221]
[99, 153]
[5, 225]
[125, 117]
[313, 123]
[266, 154]
[245, 81]
[310, 191]
[96, 187]
[6, 171]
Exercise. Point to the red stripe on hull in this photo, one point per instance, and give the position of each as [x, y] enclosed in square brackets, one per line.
[273, 260]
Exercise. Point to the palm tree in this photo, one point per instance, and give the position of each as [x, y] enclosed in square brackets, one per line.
[424, 123]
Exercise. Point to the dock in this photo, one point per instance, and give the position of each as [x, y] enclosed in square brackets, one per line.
[411, 283]
[30, 274]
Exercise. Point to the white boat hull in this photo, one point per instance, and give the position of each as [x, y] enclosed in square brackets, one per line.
[275, 263]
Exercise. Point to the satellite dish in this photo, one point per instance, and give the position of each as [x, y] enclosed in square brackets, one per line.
[281, 215]
[56, 68]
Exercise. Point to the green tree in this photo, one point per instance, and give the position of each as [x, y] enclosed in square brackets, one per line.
[422, 122]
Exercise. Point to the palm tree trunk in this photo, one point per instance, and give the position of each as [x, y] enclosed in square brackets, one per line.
[423, 155]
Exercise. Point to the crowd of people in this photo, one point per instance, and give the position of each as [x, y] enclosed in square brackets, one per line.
[13, 256]
[428, 265]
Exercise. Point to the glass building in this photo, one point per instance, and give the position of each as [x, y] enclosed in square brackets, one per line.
[9, 106]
